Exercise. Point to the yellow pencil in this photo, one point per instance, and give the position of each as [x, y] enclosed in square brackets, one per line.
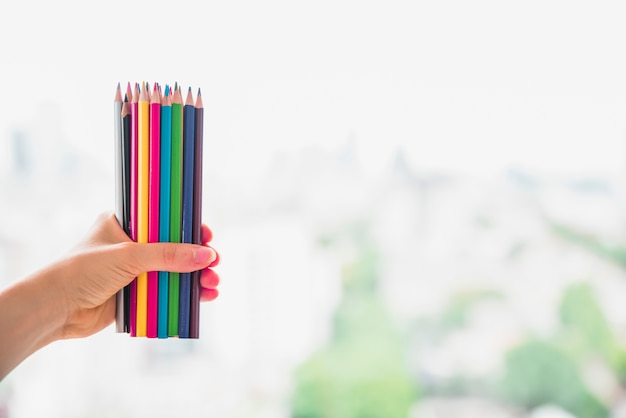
[143, 153]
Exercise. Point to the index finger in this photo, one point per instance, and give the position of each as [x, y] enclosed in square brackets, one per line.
[207, 234]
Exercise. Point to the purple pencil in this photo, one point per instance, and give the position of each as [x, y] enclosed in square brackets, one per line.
[194, 317]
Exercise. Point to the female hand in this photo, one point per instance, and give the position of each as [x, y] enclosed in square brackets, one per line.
[75, 296]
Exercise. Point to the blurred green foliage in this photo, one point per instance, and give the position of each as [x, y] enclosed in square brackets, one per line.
[613, 253]
[586, 332]
[363, 372]
[551, 370]
[539, 372]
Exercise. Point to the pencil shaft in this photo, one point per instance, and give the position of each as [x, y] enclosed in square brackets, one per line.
[134, 154]
[176, 207]
[143, 164]
[187, 214]
[164, 212]
[126, 146]
[119, 206]
[194, 319]
[154, 184]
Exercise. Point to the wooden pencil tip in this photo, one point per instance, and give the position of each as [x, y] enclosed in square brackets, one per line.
[199, 100]
[118, 93]
[189, 99]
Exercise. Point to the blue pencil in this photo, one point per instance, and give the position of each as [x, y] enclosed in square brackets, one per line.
[164, 204]
[189, 127]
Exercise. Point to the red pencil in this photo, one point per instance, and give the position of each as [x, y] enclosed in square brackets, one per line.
[154, 186]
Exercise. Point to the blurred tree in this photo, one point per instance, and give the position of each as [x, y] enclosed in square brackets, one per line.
[363, 373]
[586, 332]
[539, 373]
[613, 253]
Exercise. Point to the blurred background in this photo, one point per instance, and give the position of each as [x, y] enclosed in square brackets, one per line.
[419, 205]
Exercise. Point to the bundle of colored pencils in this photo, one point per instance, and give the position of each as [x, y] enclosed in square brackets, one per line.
[158, 163]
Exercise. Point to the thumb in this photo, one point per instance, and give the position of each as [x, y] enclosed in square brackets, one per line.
[172, 257]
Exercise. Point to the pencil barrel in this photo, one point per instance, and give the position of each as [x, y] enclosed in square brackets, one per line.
[158, 152]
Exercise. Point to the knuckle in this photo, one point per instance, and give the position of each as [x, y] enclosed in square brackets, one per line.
[170, 254]
[132, 262]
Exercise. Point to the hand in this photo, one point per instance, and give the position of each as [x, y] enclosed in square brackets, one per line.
[75, 296]
[107, 260]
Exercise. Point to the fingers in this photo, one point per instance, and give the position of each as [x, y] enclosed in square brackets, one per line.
[209, 279]
[207, 234]
[207, 295]
[181, 258]
[217, 259]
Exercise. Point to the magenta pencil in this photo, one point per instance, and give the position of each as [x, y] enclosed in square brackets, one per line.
[154, 186]
[134, 106]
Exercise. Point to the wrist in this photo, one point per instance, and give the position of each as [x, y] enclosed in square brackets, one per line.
[46, 304]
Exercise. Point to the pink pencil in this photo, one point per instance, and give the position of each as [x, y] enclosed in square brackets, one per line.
[132, 319]
[154, 181]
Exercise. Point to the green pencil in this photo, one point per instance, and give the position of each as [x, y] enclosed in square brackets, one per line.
[176, 202]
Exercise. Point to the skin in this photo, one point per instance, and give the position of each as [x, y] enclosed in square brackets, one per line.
[74, 297]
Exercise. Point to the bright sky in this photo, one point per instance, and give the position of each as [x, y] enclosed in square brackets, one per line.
[458, 85]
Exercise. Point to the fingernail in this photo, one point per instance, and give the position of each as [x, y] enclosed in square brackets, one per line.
[204, 255]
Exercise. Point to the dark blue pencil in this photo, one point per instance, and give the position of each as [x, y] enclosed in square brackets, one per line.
[189, 127]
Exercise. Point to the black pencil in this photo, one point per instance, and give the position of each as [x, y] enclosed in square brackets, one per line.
[126, 124]
[119, 205]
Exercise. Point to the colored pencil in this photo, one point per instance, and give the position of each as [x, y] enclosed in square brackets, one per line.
[143, 166]
[187, 211]
[164, 206]
[119, 193]
[134, 160]
[194, 318]
[126, 145]
[158, 183]
[154, 187]
[176, 204]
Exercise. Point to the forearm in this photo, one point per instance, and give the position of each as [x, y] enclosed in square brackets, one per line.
[31, 317]
[75, 296]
